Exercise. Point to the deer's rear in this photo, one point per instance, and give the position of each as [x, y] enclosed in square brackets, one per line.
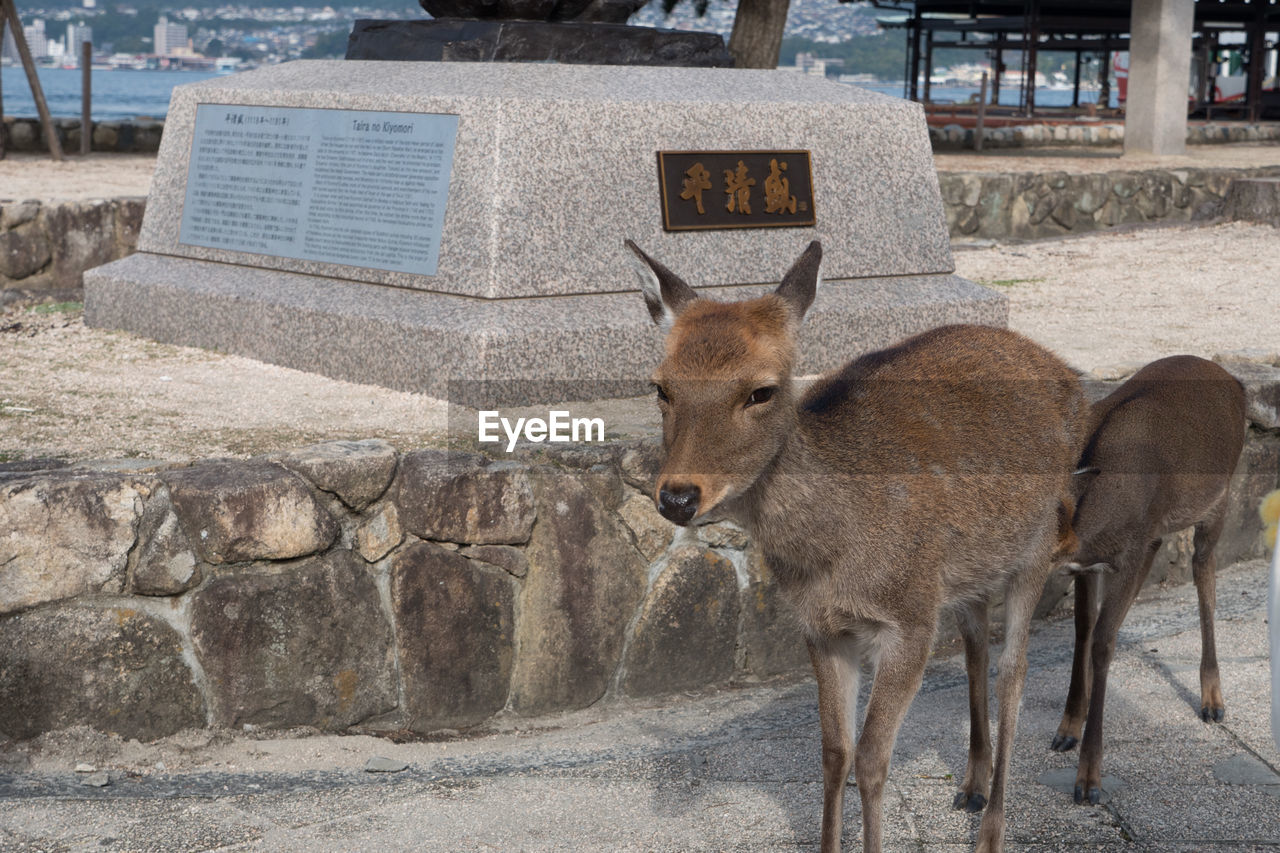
[1160, 458]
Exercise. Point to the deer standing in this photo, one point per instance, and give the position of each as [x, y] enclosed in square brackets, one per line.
[1160, 458]
[925, 476]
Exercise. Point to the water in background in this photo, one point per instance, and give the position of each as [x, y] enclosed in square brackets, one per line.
[128, 94]
[116, 94]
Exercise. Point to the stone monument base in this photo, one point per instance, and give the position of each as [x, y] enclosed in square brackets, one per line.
[478, 352]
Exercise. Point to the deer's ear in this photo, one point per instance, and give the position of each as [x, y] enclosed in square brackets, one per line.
[665, 293]
[801, 282]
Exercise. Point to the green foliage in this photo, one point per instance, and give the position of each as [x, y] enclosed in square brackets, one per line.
[56, 308]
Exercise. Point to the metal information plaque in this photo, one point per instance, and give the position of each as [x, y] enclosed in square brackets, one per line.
[364, 189]
[735, 189]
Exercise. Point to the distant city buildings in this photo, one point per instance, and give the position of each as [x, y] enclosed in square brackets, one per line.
[170, 39]
[77, 34]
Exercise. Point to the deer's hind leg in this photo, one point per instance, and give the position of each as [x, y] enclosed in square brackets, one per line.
[1203, 568]
[1021, 596]
[1119, 592]
[975, 631]
[1086, 614]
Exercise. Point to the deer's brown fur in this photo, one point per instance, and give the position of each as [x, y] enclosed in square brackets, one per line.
[1160, 456]
[922, 477]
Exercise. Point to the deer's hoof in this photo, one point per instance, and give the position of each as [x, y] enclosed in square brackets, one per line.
[1063, 743]
[972, 803]
[1213, 715]
[1092, 795]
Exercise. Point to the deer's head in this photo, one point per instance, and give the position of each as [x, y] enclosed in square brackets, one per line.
[724, 387]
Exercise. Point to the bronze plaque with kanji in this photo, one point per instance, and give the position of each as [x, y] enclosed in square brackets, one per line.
[735, 189]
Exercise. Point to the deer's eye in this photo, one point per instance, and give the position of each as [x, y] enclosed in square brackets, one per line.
[662, 393]
[761, 395]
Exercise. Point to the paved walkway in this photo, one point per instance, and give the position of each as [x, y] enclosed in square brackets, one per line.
[737, 770]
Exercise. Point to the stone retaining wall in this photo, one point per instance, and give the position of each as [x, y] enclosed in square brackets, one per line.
[348, 585]
[1036, 205]
[955, 137]
[136, 136]
[47, 247]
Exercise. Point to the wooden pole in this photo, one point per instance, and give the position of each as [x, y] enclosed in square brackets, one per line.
[86, 97]
[2, 25]
[982, 114]
[33, 80]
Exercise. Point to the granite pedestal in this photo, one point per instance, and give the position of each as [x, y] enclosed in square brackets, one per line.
[533, 298]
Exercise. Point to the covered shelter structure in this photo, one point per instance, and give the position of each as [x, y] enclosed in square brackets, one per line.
[1005, 29]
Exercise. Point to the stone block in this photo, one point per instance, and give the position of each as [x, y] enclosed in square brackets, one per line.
[1254, 200]
[687, 632]
[13, 214]
[240, 511]
[771, 641]
[379, 533]
[640, 464]
[166, 563]
[464, 498]
[85, 238]
[358, 472]
[584, 584]
[23, 252]
[105, 135]
[115, 669]
[129, 214]
[1261, 391]
[304, 645]
[1257, 473]
[65, 535]
[454, 627]
[510, 560]
[652, 532]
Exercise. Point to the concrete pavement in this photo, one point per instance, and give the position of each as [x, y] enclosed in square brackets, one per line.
[735, 770]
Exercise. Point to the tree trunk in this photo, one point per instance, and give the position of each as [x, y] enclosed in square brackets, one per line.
[756, 40]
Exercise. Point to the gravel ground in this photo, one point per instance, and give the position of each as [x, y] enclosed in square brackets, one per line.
[1106, 302]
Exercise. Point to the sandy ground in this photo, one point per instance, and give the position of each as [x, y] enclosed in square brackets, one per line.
[1105, 302]
[25, 176]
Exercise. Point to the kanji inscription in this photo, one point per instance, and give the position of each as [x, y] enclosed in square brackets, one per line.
[735, 189]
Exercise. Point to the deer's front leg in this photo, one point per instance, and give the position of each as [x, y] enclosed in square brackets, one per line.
[837, 663]
[898, 676]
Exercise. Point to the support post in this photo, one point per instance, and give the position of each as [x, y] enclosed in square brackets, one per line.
[1257, 61]
[28, 64]
[913, 85]
[86, 97]
[1155, 119]
[982, 114]
[1033, 42]
[928, 68]
[1075, 89]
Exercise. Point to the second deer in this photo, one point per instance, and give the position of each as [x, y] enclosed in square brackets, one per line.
[924, 477]
[1160, 458]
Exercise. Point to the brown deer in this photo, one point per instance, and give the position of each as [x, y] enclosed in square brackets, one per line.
[925, 476]
[1160, 458]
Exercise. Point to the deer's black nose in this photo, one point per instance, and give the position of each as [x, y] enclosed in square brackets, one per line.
[679, 503]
